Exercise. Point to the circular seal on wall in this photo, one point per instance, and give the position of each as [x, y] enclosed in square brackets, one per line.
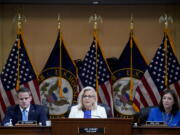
[50, 96]
[121, 96]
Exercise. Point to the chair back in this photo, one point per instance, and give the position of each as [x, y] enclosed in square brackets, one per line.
[143, 114]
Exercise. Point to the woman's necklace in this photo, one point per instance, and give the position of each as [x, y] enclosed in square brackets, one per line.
[167, 118]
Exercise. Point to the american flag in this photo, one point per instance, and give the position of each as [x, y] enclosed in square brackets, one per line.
[152, 84]
[9, 75]
[94, 68]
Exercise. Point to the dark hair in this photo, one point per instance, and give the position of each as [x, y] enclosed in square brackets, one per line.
[23, 89]
[175, 107]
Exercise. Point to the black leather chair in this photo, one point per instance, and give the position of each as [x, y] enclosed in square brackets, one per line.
[108, 110]
[46, 110]
[143, 114]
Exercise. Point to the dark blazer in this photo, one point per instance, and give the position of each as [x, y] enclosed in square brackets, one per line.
[36, 113]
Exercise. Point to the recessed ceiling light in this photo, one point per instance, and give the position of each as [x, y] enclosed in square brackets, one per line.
[95, 2]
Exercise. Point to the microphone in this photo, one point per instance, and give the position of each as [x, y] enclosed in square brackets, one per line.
[8, 124]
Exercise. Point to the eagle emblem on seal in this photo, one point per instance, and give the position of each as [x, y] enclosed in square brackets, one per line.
[50, 95]
[121, 96]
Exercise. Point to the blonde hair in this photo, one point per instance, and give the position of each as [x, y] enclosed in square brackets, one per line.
[81, 94]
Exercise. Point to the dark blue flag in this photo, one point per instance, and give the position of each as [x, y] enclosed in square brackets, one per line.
[58, 80]
[130, 69]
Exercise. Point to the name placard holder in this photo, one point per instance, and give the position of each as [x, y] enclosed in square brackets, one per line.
[155, 123]
[91, 130]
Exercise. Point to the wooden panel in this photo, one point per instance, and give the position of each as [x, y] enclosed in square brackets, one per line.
[25, 130]
[144, 130]
[111, 126]
[70, 127]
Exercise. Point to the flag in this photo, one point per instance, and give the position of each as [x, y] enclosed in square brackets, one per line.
[153, 83]
[95, 72]
[58, 80]
[130, 68]
[18, 66]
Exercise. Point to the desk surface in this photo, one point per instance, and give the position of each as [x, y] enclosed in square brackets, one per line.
[112, 126]
[25, 130]
[118, 125]
[155, 130]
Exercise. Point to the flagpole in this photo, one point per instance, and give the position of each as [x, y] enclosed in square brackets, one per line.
[95, 19]
[20, 20]
[165, 19]
[95, 36]
[131, 53]
[166, 60]
[60, 58]
[18, 66]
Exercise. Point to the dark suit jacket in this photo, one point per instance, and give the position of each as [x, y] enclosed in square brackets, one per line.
[36, 113]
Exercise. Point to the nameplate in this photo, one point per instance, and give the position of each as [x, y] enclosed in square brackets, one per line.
[155, 123]
[91, 130]
[27, 122]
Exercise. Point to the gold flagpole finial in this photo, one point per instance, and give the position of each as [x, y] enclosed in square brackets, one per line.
[20, 19]
[59, 21]
[166, 19]
[132, 23]
[95, 20]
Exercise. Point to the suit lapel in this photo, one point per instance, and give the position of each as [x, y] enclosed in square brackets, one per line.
[31, 113]
[18, 113]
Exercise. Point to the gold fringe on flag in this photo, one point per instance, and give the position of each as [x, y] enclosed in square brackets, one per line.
[19, 25]
[95, 36]
[166, 59]
[18, 66]
[131, 57]
[131, 65]
[60, 60]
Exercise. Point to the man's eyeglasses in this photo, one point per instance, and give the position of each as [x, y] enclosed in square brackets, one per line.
[88, 96]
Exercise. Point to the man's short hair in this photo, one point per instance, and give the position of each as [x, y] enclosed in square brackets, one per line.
[24, 89]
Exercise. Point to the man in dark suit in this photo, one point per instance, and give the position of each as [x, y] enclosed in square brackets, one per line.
[25, 111]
